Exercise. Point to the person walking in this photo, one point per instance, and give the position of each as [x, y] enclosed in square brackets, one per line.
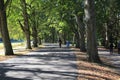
[67, 44]
[60, 42]
[119, 47]
[111, 48]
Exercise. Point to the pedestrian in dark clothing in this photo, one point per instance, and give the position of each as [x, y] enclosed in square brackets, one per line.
[119, 47]
[111, 48]
[60, 42]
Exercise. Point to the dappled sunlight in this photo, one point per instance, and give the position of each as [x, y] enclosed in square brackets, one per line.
[93, 71]
[51, 63]
[113, 59]
[54, 63]
[96, 72]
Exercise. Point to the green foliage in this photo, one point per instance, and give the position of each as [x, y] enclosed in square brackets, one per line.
[59, 14]
[14, 13]
[106, 18]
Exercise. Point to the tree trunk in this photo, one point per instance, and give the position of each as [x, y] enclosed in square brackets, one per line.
[77, 39]
[25, 27]
[53, 34]
[91, 32]
[4, 30]
[39, 41]
[64, 37]
[82, 33]
[35, 40]
[75, 29]
[28, 42]
[34, 31]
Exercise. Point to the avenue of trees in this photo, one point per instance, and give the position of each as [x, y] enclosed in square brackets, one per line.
[87, 23]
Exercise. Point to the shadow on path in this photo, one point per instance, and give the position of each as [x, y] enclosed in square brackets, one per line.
[113, 59]
[49, 63]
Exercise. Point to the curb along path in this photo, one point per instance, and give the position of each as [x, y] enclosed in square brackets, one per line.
[49, 63]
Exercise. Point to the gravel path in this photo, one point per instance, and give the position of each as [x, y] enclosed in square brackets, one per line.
[49, 63]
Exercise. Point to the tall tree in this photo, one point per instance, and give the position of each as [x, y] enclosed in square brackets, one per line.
[25, 27]
[33, 24]
[3, 28]
[91, 31]
[82, 32]
[34, 29]
[107, 21]
[79, 12]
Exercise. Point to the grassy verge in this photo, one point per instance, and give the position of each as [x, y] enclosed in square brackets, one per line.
[13, 44]
[18, 52]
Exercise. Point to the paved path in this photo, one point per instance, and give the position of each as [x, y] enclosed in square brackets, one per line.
[113, 59]
[49, 63]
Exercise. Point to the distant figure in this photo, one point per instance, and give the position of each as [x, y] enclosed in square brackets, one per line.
[67, 44]
[60, 42]
[111, 48]
[119, 47]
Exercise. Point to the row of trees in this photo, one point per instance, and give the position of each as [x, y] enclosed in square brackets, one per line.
[81, 21]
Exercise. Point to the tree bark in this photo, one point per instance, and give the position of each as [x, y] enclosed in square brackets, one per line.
[39, 41]
[75, 29]
[91, 31]
[53, 34]
[82, 33]
[77, 39]
[26, 24]
[35, 40]
[34, 30]
[4, 30]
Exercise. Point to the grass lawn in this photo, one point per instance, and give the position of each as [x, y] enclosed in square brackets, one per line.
[19, 52]
[13, 44]
[3, 57]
